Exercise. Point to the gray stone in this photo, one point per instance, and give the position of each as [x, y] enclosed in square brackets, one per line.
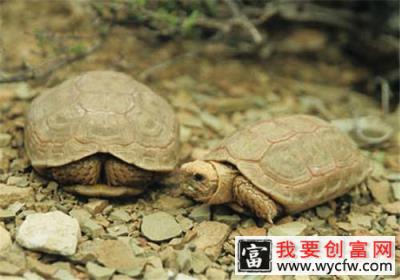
[210, 238]
[91, 228]
[32, 276]
[52, 232]
[201, 213]
[120, 216]
[19, 181]
[324, 212]
[200, 262]
[160, 226]
[118, 230]
[98, 272]
[293, 228]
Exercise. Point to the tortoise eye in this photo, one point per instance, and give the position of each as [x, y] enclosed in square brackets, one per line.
[198, 177]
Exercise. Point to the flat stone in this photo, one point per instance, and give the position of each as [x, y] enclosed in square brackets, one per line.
[215, 274]
[181, 276]
[5, 139]
[96, 206]
[8, 268]
[5, 240]
[80, 214]
[200, 213]
[293, 228]
[167, 202]
[392, 208]
[6, 214]
[91, 228]
[156, 273]
[210, 237]
[184, 259]
[115, 254]
[63, 274]
[19, 181]
[160, 226]
[120, 216]
[121, 277]
[185, 223]
[11, 194]
[200, 262]
[98, 272]
[324, 212]
[118, 230]
[52, 232]
[380, 190]
[32, 276]
[360, 220]
[396, 190]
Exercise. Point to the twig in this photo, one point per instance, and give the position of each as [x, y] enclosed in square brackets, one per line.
[242, 19]
[48, 67]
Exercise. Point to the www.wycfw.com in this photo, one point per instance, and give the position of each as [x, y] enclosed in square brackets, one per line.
[343, 266]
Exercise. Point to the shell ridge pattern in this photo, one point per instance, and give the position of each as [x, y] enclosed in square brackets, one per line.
[93, 113]
[314, 164]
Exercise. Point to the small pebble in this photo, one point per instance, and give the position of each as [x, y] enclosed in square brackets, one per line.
[293, 228]
[160, 226]
[99, 272]
[200, 213]
[119, 216]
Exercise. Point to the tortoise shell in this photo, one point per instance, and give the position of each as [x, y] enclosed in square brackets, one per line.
[102, 112]
[299, 161]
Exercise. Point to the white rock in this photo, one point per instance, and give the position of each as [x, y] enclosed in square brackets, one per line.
[5, 239]
[53, 232]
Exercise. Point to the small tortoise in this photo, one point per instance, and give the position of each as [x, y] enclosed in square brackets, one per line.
[102, 129]
[286, 164]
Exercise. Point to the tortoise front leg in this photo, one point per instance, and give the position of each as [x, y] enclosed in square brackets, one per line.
[246, 194]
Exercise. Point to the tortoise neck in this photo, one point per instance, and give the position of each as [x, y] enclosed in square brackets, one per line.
[226, 174]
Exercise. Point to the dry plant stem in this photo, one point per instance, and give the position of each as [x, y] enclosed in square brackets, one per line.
[243, 20]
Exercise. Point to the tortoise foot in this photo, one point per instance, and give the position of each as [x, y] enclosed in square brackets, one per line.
[246, 194]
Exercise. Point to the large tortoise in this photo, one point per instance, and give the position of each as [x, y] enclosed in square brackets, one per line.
[286, 164]
[102, 129]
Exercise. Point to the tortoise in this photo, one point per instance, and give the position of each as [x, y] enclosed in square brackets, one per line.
[281, 165]
[102, 133]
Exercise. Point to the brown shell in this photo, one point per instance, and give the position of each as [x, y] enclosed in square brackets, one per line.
[102, 112]
[300, 161]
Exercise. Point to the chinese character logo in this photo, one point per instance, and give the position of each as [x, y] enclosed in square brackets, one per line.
[254, 255]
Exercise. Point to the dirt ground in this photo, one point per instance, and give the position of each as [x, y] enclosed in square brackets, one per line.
[213, 94]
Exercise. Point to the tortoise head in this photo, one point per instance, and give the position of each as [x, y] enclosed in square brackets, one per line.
[208, 181]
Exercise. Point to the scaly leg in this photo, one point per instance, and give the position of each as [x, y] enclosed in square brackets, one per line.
[85, 171]
[246, 194]
[119, 173]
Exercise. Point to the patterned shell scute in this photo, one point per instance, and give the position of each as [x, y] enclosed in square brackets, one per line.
[102, 111]
[300, 161]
